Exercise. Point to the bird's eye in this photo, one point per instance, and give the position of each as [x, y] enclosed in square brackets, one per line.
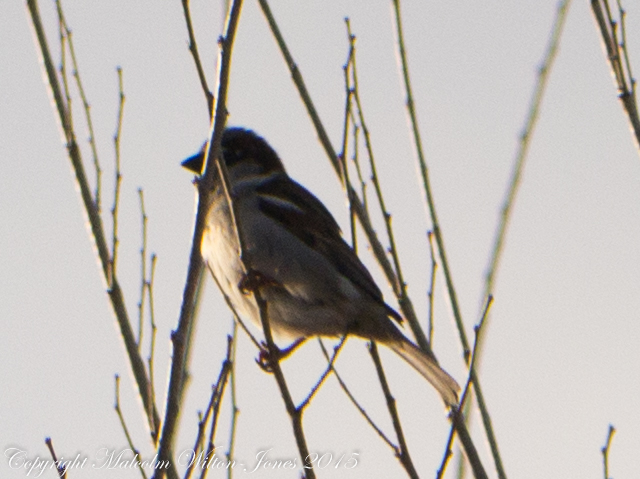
[231, 156]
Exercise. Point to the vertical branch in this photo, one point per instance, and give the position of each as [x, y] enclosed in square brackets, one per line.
[348, 115]
[61, 470]
[521, 156]
[125, 429]
[605, 451]
[181, 336]
[345, 133]
[432, 286]
[426, 182]
[234, 403]
[474, 459]
[118, 178]
[402, 450]
[155, 431]
[216, 400]
[399, 286]
[212, 411]
[143, 268]
[443, 256]
[295, 413]
[193, 48]
[205, 188]
[356, 161]
[523, 149]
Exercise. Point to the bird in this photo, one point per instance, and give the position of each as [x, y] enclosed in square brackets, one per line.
[311, 280]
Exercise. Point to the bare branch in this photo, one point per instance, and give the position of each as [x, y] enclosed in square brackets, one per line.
[62, 471]
[234, 403]
[355, 402]
[402, 451]
[125, 429]
[143, 267]
[95, 223]
[193, 48]
[329, 369]
[473, 458]
[155, 430]
[216, 400]
[605, 451]
[617, 54]
[181, 336]
[118, 177]
[399, 286]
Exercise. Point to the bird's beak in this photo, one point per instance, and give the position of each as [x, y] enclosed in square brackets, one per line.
[194, 163]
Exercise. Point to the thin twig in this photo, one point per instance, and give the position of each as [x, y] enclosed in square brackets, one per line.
[350, 117]
[234, 403]
[432, 287]
[399, 286]
[329, 369]
[193, 48]
[356, 161]
[220, 386]
[181, 336]
[125, 429]
[295, 414]
[457, 314]
[623, 47]
[425, 177]
[520, 158]
[85, 103]
[65, 37]
[143, 268]
[155, 431]
[345, 139]
[402, 451]
[213, 408]
[205, 186]
[118, 176]
[474, 460]
[62, 471]
[605, 451]
[236, 316]
[355, 402]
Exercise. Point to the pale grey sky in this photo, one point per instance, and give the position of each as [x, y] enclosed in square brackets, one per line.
[562, 360]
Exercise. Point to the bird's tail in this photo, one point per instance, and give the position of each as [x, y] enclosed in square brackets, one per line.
[444, 384]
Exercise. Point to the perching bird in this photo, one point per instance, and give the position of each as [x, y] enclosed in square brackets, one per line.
[312, 281]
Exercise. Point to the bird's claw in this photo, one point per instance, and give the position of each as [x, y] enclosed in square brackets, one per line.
[265, 358]
[252, 281]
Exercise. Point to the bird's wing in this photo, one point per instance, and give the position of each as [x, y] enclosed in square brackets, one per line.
[308, 219]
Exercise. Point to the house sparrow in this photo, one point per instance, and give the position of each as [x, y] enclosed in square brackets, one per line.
[312, 281]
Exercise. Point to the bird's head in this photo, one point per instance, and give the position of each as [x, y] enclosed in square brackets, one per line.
[244, 152]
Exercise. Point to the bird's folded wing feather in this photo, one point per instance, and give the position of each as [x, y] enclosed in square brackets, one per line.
[308, 219]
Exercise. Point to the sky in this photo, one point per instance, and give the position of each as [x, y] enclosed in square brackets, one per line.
[560, 362]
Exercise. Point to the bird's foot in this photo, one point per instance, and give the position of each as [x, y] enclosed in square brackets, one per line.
[253, 280]
[265, 358]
